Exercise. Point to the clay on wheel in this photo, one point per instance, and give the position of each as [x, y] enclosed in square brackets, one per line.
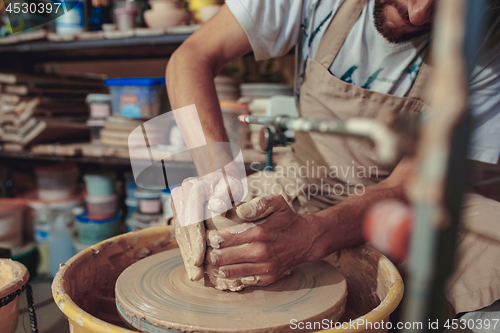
[156, 293]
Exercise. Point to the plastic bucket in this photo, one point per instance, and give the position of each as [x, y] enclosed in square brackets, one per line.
[56, 182]
[99, 105]
[94, 231]
[139, 98]
[34, 201]
[84, 287]
[13, 277]
[102, 207]
[99, 185]
[86, 295]
[48, 237]
[149, 201]
[11, 222]
[375, 288]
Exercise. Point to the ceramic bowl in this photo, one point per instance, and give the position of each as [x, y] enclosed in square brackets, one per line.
[165, 14]
[196, 5]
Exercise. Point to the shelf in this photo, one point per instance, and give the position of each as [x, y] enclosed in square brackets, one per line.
[108, 160]
[100, 154]
[100, 49]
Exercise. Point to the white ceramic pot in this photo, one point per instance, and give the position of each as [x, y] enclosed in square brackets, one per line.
[166, 13]
[208, 12]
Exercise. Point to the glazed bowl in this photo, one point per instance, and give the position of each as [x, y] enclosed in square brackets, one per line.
[195, 7]
[165, 14]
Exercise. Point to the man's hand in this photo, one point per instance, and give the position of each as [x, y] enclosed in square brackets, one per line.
[272, 248]
[189, 202]
[287, 239]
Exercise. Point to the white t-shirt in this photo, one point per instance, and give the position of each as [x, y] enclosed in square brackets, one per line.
[367, 59]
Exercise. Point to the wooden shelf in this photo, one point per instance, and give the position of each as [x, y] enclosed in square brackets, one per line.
[28, 155]
[21, 58]
[100, 154]
[100, 49]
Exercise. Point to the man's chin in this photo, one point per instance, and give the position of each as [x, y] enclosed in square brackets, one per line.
[391, 31]
[392, 35]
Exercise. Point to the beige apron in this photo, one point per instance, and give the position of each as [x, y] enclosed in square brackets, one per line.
[348, 161]
[324, 169]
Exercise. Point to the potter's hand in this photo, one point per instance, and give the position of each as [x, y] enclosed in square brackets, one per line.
[188, 204]
[267, 251]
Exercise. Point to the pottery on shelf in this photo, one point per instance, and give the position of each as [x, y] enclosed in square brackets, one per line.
[207, 12]
[166, 13]
[195, 7]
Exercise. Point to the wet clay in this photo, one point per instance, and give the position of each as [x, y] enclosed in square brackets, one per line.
[191, 241]
[156, 292]
[233, 224]
[6, 274]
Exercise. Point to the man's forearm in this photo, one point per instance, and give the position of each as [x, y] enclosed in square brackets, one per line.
[341, 226]
[190, 80]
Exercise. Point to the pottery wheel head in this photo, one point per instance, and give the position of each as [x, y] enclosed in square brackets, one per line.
[155, 295]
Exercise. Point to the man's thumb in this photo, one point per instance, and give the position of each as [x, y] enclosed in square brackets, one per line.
[260, 207]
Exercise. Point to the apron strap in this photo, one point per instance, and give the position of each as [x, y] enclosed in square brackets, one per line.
[337, 31]
[419, 90]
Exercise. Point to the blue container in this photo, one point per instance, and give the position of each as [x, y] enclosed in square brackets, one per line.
[137, 97]
[166, 202]
[73, 21]
[94, 231]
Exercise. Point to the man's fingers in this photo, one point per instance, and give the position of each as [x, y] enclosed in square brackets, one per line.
[261, 274]
[261, 207]
[247, 269]
[239, 235]
[248, 253]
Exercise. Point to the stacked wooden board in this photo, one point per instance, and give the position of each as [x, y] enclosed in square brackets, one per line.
[42, 108]
[117, 130]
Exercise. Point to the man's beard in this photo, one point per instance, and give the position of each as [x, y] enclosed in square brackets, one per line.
[391, 33]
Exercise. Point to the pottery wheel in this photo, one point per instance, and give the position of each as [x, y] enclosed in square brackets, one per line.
[154, 295]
